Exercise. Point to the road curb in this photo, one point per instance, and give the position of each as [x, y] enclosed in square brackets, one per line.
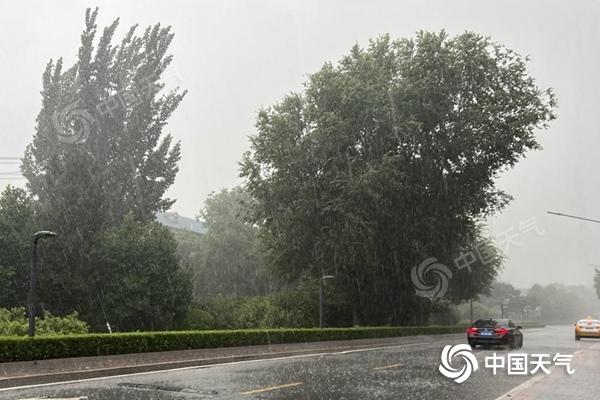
[58, 377]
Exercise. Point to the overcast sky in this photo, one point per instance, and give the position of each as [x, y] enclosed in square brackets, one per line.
[236, 56]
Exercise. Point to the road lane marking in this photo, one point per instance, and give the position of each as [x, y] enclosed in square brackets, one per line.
[522, 387]
[387, 367]
[57, 398]
[532, 383]
[272, 388]
[321, 354]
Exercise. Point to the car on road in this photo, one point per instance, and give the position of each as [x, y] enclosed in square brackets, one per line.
[587, 328]
[495, 332]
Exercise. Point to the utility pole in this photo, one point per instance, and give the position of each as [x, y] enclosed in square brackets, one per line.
[471, 311]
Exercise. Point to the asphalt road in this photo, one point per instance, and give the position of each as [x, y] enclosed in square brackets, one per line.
[404, 371]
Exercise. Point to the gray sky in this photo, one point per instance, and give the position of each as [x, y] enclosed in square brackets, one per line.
[236, 56]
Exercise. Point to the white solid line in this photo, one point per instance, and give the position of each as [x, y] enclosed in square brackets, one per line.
[215, 365]
[272, 388]
[57, 398]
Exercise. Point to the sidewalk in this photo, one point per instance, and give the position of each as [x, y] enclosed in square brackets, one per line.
[66, 369]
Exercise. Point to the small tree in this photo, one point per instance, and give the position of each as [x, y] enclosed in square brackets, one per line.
[140, 283]
[229, 260]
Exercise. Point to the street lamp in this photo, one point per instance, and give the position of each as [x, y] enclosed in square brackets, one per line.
[471, 309]
[502, 304]
[33, 276]
[574, 217]
[324, 277]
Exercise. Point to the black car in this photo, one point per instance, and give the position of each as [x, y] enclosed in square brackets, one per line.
[495, 332]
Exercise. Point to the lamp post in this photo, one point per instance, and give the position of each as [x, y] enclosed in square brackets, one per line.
[33, 276]
[503, 303]
[471, 309]
[321, 298]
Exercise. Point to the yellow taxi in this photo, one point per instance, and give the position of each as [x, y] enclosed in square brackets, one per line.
[587, 328]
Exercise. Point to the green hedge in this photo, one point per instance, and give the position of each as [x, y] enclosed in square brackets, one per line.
[42, 348]
[531, 325]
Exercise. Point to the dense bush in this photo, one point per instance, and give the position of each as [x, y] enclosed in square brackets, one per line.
[39, 348]
[13, 322]
[287, 309]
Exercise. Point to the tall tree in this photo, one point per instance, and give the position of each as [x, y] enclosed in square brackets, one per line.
[100, 151]
[390, 157]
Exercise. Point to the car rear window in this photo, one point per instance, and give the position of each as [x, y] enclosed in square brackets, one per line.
[490, 322]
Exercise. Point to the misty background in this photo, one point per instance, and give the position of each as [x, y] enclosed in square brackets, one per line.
[236, 56]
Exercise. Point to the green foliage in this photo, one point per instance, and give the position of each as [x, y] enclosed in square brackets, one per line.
[565, 304]
[390, 157]
[42, 348]
[99, 153]
[597, 282]
[137, 274]
[13, 322]
[479, 277]
[16, 228]
[443, 313]
[227, 259]
[552, 304]
[480, 311]
[68, 325]
[287, 309]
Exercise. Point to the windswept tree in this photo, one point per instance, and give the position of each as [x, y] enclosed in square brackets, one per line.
[100, 151]
[390, 157]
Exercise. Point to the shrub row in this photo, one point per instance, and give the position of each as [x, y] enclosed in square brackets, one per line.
[530, 325]
[42, 348]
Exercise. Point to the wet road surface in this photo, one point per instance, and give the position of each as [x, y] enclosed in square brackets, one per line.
[403, 371]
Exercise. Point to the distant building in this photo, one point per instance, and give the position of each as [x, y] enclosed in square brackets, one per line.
[175, 221]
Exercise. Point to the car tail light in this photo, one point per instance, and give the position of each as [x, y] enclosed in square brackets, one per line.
[472, 330]
[501, 331]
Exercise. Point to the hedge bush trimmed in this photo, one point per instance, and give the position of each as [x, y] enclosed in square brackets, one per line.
[531, 325]
[48, 347]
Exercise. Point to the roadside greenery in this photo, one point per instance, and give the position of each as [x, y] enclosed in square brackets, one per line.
[550, 304]
[97, 171]
[228, 259]
[385, 159]
[286, 309]
[25, 349]
[13, 322]
[389, 157]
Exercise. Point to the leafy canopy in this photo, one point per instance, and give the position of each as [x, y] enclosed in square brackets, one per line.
[389, 157]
